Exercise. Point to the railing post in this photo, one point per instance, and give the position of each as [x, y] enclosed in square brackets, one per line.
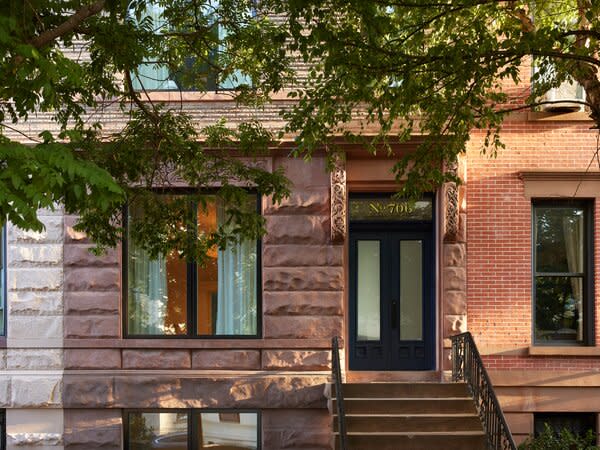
[467, 366]
[339, 395]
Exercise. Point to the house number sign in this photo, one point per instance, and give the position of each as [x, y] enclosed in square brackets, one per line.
[377, 209]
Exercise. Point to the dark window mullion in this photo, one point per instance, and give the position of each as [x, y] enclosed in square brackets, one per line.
[192, 277]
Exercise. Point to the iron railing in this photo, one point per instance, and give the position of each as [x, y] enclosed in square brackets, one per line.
[467, 366]
[336, 373]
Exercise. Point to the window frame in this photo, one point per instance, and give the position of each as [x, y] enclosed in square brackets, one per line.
[211, 78]
[588, 270]
[192, 414]
[191, 283]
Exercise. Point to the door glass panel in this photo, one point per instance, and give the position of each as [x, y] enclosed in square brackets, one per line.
[368, 291]
[411, 290]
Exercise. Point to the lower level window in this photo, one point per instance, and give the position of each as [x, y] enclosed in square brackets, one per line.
[578, 424]
[192, 429]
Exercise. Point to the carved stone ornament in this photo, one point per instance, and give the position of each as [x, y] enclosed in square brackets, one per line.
[338, 201]
[451, 221]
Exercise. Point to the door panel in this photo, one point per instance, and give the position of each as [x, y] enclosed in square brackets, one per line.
[391, 301]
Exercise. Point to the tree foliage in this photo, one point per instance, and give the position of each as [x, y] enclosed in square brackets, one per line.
[439, 68]
[92, 174]
[385, 69]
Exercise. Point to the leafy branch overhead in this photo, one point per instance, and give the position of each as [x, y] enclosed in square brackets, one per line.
[71, 60]
[439, 68]
[374, 72]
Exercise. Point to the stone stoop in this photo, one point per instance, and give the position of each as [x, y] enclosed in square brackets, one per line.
[408, 416]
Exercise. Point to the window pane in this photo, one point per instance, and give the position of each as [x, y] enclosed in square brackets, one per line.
[368, 291]
[158, 430]
[227, 283]
[559, 239]
[219, 431]
[576, 423]
[411, 290]
[559, 309]
[157, 290]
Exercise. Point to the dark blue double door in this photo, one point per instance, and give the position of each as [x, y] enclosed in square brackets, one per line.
[392, 313]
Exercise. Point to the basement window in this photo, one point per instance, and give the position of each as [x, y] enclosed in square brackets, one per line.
[192, 429]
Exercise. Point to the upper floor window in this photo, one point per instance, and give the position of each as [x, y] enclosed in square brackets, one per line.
[562, 272]
[201, 71]
[168, 296]
[191, 429]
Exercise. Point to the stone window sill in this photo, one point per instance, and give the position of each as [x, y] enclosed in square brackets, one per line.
[563, 351]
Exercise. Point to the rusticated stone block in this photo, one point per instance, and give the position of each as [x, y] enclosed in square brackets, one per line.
[297, 230]
[303, 327]
[455, 302]
[301, 202]
[304, 174]
[85, 391]
[303, 279]
[42, 391]
[53, 232]
[309, 303]
[212, 392]
[5, 384]
[306, 429]
[455, 279]
[454, 324]
[34, 359]
[156, 359]
[92, 359]
[226, 359]
[36, 279]
[92, 429]
[454, 255]
[92, 303]
[91, 327]
[92, 279]
[35, 255]
[46, 327]
[302, 255]
[80, 256]
[35, 303]
[296, 360]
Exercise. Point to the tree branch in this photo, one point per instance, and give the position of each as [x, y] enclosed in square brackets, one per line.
[69, 25]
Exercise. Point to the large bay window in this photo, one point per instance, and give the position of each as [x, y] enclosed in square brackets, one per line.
[168, 296]
[562, 272]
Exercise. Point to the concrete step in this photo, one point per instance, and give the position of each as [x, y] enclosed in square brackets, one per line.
[403, 390]
[415, 441]
[415, 422]
[409, 406]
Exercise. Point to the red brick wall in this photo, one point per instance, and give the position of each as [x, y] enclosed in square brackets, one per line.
[499, 235]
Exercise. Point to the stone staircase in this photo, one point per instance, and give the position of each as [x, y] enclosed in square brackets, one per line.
[408, 416]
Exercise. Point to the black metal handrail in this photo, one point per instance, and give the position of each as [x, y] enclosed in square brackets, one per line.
[467, 366]
[336, 373]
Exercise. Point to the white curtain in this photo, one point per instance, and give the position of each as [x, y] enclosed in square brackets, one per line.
[147, 292]
[236, 309]
[573, 234]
